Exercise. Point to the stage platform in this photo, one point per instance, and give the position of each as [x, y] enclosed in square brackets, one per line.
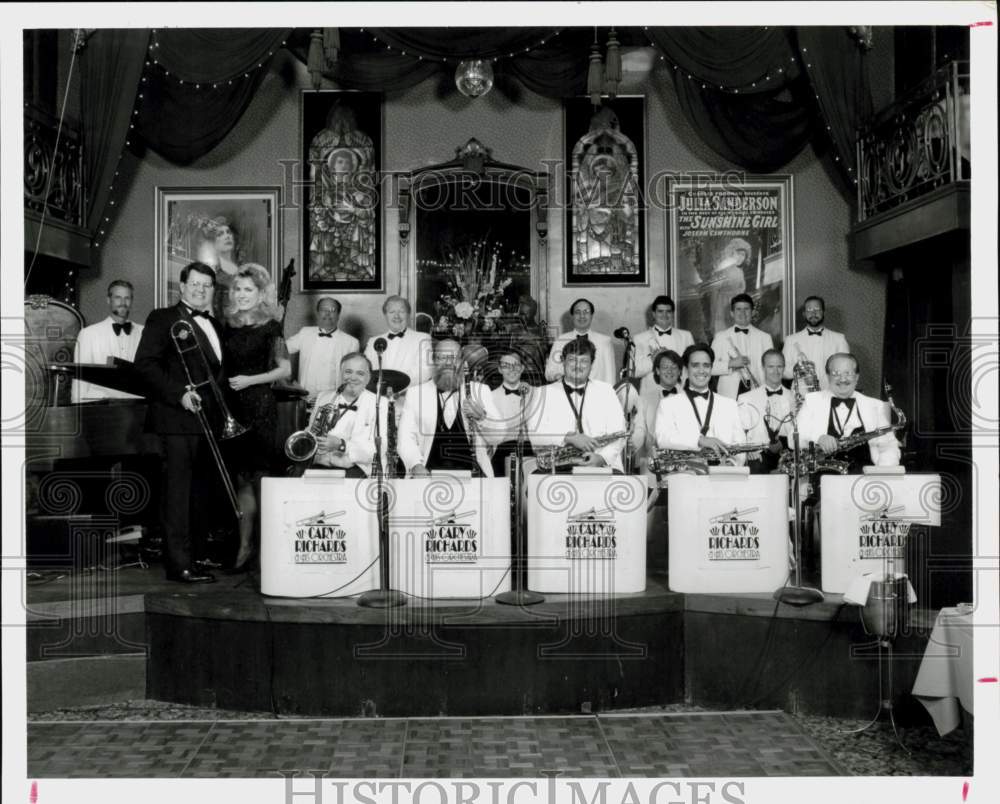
[225, 645]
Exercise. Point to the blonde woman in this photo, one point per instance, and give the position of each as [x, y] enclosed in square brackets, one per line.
[255, 356]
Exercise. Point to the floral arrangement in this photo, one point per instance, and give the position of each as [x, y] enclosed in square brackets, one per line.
[476, 278]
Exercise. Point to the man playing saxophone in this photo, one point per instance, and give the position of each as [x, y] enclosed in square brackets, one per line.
[346, 417]
[828, 416]
[580, 413]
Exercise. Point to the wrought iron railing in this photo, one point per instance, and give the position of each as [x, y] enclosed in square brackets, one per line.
[53, 180]
[916, 145]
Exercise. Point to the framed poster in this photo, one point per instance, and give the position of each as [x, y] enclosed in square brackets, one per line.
[341, 141]
[605, 159]
[731, 235]
[223, 227]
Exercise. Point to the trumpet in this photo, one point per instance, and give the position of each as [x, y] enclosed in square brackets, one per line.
[667, 461]
[746, 376]
[568, 455]
[804, 378]
[182, 334]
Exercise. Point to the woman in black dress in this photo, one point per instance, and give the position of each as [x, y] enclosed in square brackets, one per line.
[255, 357]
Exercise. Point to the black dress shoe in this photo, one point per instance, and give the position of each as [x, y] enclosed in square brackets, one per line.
[191, 576]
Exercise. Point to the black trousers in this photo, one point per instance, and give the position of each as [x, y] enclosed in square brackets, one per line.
[192, 490]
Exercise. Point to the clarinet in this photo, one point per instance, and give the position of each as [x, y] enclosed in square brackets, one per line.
[391, 458]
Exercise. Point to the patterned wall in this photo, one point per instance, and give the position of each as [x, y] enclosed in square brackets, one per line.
[423, 128]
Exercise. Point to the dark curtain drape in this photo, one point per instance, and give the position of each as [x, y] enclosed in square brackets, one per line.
[184, 121]
[457, 43]
[110, 68]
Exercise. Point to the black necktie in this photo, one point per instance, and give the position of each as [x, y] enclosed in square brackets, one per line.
[325, 334]
[399, 334]
[571, 390]
[847, 403]
[692, 393]
[508, 391]
[744, 331]
[661, 332]
[668, 391]
[342, 406]
[120, 328]
[773, 393]
[817, 332]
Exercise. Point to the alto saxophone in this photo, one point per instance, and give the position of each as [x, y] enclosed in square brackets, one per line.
[567, 455]
[667, 461]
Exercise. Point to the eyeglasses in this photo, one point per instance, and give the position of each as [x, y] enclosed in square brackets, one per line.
[200, 285]
[843, 375]
[509, 366]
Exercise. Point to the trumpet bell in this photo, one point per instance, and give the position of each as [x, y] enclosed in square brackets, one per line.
[231, 429]
[301, 445]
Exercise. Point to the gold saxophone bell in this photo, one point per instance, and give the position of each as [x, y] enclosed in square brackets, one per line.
[301, 445]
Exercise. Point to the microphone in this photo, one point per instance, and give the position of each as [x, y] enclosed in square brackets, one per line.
[380, 345]
[622, 333]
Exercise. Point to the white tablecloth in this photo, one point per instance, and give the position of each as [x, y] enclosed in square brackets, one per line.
[945, 676]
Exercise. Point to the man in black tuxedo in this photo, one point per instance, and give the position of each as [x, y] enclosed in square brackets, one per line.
[172, 414]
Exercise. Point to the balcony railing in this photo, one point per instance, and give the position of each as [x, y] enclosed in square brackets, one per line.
[53, 180]
[916, 145]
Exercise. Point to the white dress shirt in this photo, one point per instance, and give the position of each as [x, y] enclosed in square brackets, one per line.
[97, 343]
[209, 329]
[509, 406]
[601, 414]
[319, 357]
[816, 348]
[868, 413]
[757, 411]
[648, 343]
[356, 428]
[677, 426]
[603, 368]
[418, 423]
[409, 353]
[751, 345]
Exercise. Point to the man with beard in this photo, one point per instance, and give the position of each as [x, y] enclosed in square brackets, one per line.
[814, 343]
[115, 336]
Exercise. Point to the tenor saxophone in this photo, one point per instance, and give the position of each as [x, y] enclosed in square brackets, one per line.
[554, 458]
[667, 461]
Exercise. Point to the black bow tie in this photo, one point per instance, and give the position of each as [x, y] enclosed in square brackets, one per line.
[668, 391]
[571, 390]
[508, 391]
[582, 337]
[691, 393]
[773, 393]
[343, 406]
[744, 331]
[399, 334]
[120, 328]
[816, 332]
[661, 332]
[325, 334]
[848, 403]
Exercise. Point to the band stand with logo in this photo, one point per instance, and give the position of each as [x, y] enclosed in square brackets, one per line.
[865, 519]
[316, 536]
[731, 531]
[449, 536]
[587, 533]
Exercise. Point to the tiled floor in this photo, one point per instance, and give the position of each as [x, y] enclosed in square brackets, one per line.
[608, 745]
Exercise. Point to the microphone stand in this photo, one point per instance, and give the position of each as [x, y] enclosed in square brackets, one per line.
[383, 597]
[520, 595]
[797, 594]
[625, 378]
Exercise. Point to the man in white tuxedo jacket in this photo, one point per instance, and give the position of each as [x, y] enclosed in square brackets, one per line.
[697, 418]
[662, 335]
[739, 347]
[445, 427]
[841, 411]
[115, 336]
[815, 342]
[765, 414]
[321, 349]
[407, 350]
[603, 369]
[576, 410]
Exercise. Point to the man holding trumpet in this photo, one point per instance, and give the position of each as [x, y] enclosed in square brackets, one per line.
[739, 350]
[172, 413]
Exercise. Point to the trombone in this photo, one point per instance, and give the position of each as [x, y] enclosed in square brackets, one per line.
[182, 334]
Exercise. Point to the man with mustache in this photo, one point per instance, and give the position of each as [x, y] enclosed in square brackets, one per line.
[115, 336]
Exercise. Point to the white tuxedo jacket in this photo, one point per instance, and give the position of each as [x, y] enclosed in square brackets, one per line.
[95, 344]
[418, 422]
[756, 406]
[648, 343]
[357, 428]
[868, 413]
[604, 362]
[816, 348]
[725, 345]
[319, 358]
[677, 426]
[410, 354]
[510, 406]
[602, 414]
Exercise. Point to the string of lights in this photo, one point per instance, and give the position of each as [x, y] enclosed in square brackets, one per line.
[457, 59]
